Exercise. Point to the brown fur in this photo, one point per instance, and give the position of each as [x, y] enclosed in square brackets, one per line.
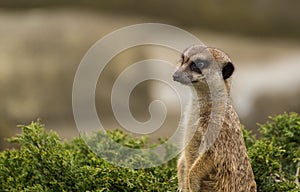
[225, 166]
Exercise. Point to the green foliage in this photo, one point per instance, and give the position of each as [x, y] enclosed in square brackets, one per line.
[45, 163]
[124, 153]
[275, 156]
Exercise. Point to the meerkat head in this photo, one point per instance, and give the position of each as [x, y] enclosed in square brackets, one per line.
[196, 60]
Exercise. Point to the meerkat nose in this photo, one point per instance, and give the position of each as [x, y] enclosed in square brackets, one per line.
[177, 75]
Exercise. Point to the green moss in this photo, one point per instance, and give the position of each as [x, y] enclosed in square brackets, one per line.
[45, 163]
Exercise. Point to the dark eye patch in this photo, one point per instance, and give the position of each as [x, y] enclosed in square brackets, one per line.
[201, 63]
[194, 67]
[198, 65]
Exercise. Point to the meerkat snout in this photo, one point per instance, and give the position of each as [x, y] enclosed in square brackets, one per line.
[182, 77]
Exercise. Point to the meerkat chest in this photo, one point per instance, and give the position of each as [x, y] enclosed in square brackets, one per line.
[194, 131]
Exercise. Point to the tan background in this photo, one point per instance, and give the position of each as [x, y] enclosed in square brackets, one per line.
[41, 45]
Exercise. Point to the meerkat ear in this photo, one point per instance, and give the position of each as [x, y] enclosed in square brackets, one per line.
[227, 70]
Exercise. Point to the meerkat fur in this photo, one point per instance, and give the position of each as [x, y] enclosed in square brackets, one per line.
[224, 166]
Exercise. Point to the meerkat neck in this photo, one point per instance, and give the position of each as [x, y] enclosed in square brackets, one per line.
[210, 107]
[203, 97]
[197, 117]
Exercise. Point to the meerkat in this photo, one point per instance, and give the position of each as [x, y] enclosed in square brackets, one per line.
[224, 166]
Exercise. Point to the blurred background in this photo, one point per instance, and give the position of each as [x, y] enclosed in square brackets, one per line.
[43, 42]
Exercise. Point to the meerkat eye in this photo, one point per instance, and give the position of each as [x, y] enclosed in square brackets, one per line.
[201, 63]
[194, 67]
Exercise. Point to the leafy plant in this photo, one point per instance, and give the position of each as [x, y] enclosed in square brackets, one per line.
[275, 157]
[45, 163]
